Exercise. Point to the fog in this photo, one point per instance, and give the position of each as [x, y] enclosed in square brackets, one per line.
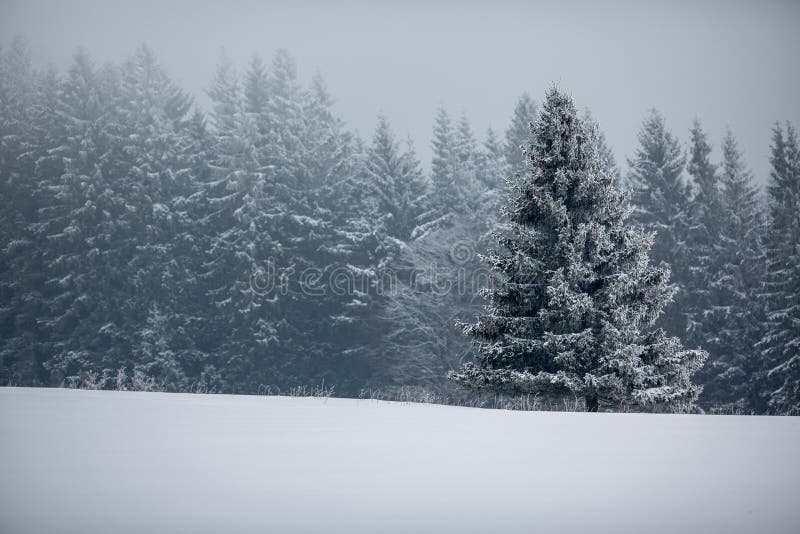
[728, 63]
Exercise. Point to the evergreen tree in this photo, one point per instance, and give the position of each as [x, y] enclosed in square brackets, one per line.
[781, 342]
[604, 151]
[705, 220]
[493, 167]
[396, 181]
[155, 175]
[519, 132]
[493, 172]
[256, 87]
[575, 288]
[660, 198]
[455, 188]
[78, 218]
[732, 325]
[443, 167]
[20, 272]
[240, 239]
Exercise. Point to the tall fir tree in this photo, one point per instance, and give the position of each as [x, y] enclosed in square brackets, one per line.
[493, 167]
[732, 324]
[705, 221]
[518, 134]
[443, 164]
[396, 181]
[156, 173]
[604, 151]
[21, 90]
[79, 210]
[781, 342]
[241, 239]
[660, 198]
[575, 292]
[493, 174]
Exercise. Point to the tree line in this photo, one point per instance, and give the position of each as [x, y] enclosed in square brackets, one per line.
[261, 244]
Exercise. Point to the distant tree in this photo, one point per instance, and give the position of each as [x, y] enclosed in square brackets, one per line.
[604, 152]
[574, 287]
[493, 167]
[493, 173]
[455, 188]
[660, 198]
[397, 181]
[443, 168]
[703, 245]
[733, 322]
[781, 342]
[156, 166]
[78, 213]
[518, 134]
[20, 251]
[241, 230]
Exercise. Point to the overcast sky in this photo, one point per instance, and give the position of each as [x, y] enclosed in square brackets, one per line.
[726, 62]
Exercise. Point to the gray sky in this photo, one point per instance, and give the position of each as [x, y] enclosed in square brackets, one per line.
[727, 62]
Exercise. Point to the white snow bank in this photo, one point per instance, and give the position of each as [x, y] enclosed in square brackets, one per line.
[96, 462]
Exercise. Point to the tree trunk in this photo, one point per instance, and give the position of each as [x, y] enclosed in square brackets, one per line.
[592, 403]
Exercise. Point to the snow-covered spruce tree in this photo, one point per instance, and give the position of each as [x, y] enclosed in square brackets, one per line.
[396, 181]
[493, 168]
[443, 170]
[703, 246]
[156, 174]
[728, 376]
[78, 212]
[660, 199]
[20, 250]
[240, 227]
[493, 171]
[781, 342]
[455, 190]
[574, 290]
[518, 133]
[604, 152]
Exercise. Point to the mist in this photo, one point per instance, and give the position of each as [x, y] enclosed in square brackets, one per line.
[730, 64]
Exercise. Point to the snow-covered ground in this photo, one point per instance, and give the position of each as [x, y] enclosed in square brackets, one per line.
[101, 462]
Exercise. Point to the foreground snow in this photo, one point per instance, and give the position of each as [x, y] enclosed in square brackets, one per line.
[94, 462]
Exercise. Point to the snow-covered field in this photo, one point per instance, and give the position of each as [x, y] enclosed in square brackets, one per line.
[101, 462]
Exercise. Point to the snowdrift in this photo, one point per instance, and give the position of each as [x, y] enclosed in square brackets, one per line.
[95, 462]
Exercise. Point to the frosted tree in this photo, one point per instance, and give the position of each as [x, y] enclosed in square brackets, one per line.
[519, 132]
[604, 151]
[20, 250]
[493, 172]
[575, 293]
[256, 87]
[465, 146]
[397, 181]
[17, 93]
[705, 221]
[243, 212]
[781, 342]
[337, 233]
[467, 184]
[443, 169]
[156, 162]
[78, 211]
[733, 323]
[455, 188]
[660, 197]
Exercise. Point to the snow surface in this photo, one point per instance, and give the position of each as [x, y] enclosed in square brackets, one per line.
[95, 462]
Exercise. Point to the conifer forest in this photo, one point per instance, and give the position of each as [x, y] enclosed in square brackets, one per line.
[248, 241]
[370, 266]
